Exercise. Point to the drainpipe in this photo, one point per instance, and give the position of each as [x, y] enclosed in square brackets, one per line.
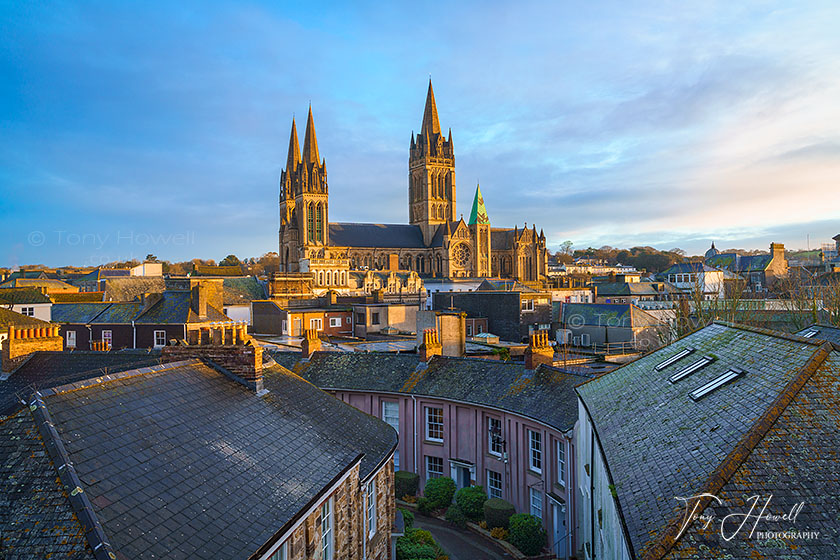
[416, 468]
[90, 337]
[134, 335]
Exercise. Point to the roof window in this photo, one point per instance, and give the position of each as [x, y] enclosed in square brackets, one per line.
[811, 333]
[730, 375]
[675, 358]
[688, 370]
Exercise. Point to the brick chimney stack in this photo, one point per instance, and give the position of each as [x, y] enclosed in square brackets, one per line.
[20, 343]
[539, 350]
[777, 251]
[311, 343]
[430, 346]
[198, 300]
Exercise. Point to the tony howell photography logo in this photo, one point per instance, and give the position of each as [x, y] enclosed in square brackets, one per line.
[756, 518]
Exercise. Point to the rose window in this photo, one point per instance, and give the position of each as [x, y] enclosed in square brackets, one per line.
[461, 255]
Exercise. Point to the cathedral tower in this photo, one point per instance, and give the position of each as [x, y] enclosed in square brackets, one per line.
[431, 173]
[304, 199]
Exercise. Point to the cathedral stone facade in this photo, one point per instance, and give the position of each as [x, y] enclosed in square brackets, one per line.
[433, 243]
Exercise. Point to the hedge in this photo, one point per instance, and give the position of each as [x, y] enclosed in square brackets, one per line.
[440, 491]
[471, 501]
[406, 483]
[455, 515]
[527, 533]
[497, 512]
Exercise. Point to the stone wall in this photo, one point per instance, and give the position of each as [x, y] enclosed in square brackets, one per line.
[244, 361]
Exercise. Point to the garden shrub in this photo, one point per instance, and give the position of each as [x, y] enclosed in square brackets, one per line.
[406, 483]
[408, 517]
[497, 512]
[455, 515]
[527, 533]
[440, 491]
[426, 506]
[499, 533]
[471, 500]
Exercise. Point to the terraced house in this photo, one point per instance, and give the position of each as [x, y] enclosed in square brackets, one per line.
[726, 423]
[210, 454]
[501, 425]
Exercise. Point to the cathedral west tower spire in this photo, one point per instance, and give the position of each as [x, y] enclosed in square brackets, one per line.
[431, 173]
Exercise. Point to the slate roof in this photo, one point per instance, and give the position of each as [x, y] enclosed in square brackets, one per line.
[13, 296]
[51, 369]
[545, 395]
[78, 297]
[210, 270]
[174, 307]
[185, 463]
[82, 313]
[829, 333]
[740, 263]
[504, 285]
[606, 315]
[48, 283]
[658, 443]
[796, 462]
[636, 289]
[243, 290]
[396, 236]
[36, 518]
[9, 317]
[130, 288]
[680, 268]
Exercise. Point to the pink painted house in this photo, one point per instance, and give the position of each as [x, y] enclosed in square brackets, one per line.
[481, 422]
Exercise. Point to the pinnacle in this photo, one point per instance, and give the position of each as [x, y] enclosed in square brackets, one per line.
[294, 150]
[431, 124]
[310, 142]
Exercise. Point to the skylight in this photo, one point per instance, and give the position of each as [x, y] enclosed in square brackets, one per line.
[811, 334]
[688, 370]
[730, 375]
[675, 358]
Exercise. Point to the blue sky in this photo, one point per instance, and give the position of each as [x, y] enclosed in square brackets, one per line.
[159, 127]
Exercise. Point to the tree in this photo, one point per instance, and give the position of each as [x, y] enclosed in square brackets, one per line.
[151, 258]
[230, 260]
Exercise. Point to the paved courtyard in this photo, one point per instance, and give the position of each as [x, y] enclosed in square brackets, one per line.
[461, 544]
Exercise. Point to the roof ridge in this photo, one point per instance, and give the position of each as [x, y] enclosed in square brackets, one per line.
[769, 332]
[739, 454]
[79, 502]
[87, 383]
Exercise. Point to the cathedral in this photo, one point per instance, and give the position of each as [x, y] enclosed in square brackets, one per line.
[433, 243]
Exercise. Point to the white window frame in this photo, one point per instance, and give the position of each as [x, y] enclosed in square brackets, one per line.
[560, 455]
[371, 508]
[429, 470]
[70, 336]
[316, 324]
[535, 502]
[492, 491]
[535, 453]
[280, 553]
[429, 423]
[394, 422]
[490, 443]
[28, 311]
[156, 344]
[527, 305]
[327, 533]
[335, 322]
[109, 339]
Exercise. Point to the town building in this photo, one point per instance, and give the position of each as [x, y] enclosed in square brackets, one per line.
[197, 459]
[758, 272]
[31, 302]
[435, 242]
[610, 327]
[505, 426]
[698, 279]
[671, 435]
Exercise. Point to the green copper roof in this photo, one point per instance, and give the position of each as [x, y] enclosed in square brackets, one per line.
[478, 215]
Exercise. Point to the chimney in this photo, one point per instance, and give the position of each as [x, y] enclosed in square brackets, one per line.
[198, 300]
[539, 350]
[431, 345]
[20, 343]
[311, 343]
[777, 251]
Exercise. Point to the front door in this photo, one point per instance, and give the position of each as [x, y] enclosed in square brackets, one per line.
[559, 537]
[460, 474]
[298, 330]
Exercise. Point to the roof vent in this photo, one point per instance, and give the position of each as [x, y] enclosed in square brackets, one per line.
[688, 370]
[675, 358]
[730, 375]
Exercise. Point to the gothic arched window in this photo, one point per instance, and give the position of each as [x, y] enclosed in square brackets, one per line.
[310, 223]
[319, 223]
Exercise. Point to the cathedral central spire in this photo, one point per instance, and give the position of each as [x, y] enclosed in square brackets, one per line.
[431, 124]
[310, 142]
[479, 212]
